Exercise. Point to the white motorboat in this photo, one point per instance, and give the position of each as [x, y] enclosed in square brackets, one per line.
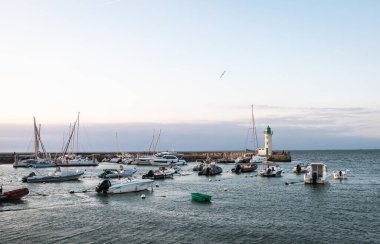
[161, 173]
[165, 160]
[270, 170]
[258, 159]
[56, 176]
[317, 174]
[117, 173]
[130, 185]
[300, 168]
[340, 174]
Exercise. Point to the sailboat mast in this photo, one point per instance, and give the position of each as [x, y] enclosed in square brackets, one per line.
[151, 143]
[157, 142]
[254, 133]
[36, 143]
[78, 132]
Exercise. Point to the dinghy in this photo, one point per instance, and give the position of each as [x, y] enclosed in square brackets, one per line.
[341, 174]
[13, 195]
[115, 173]
[244, 168]
[56, 176]
[200, 197]
[270, 170]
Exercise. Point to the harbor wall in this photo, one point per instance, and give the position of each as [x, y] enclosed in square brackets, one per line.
[277, 156]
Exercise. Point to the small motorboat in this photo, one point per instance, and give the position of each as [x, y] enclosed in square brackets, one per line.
[130, 185]
[200, 197]
[13, 195]
[244, 168]
[211, 169]
[317, 174]
[258, 159]
[56, 176]
[161, 173]
[270, 170]
[341, 174]
[300, 168]
[117, 173]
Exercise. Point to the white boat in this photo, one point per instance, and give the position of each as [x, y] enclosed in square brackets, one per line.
[56, 176]
[258, 159]
[164, 160]
[317, 174]
[300, 168]
[270, 170]
[130, 185]
[340, 174]
[161, 173]
[117, 173]
[159, 159]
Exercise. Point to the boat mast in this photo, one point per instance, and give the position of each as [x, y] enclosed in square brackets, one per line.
[157, 142]
[36, 143]
[78, 133]
[254, 133]
[151, 143]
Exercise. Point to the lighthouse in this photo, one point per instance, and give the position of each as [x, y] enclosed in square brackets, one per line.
[268, 141]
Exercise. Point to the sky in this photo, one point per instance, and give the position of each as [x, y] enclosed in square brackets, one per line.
[309, 68]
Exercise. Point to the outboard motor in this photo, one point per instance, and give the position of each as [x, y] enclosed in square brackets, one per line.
[238, 168]
[298, 169]
[314, 177]
[103, 187]
[25, 178]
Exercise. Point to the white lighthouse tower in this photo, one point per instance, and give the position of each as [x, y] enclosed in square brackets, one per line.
[268, 141]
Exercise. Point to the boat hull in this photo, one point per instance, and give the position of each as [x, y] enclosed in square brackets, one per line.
[54, 178]
[200, 197]
[14, 194]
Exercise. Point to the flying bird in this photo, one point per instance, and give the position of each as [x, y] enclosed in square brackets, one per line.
[222, 74]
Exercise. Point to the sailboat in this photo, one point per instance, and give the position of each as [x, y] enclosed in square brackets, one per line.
[71, 159]
[35, 160]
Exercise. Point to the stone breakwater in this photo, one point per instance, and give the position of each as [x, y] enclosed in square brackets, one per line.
[222, 156]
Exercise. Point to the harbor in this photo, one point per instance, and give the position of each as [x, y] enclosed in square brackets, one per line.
[244, 208]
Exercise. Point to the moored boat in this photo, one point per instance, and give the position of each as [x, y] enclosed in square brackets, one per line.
[201, 197]
[56, 176]
[340, 174]
[117, 173]
[258, 159]
[317, 174]
[244, 168]
[300, 168]
[13, 194]
[211, 169]
[161, 173]
[129, 185]
[271, 170]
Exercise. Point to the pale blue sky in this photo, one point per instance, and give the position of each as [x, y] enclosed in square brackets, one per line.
[305, 65]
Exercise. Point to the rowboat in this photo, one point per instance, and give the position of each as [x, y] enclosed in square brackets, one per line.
[200, 197]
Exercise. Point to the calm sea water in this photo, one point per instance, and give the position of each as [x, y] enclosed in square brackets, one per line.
[252, 210]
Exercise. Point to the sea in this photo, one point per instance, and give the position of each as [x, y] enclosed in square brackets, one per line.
[245, 208]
